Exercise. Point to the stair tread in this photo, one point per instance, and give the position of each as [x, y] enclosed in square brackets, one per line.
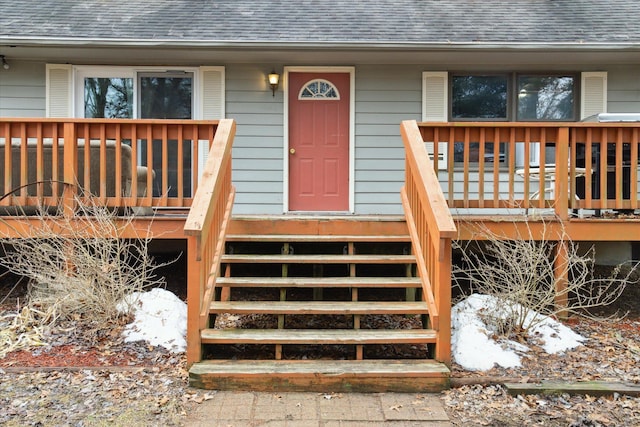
[317, 336]
[317, 238]
[386, 282]
[322, 376]
[371, 367]
[319, 307]
[320, 259]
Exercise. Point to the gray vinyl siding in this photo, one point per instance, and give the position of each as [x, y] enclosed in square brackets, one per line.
[22, 89]
[385, 95]
[258, 146]
[623, 90]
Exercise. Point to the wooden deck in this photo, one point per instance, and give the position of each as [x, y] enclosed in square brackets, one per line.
[461, 194]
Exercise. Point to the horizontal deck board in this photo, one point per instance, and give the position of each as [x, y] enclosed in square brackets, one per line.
[319, 307]
[319, 259]
[320, 282]
[318, 336]
[321, 375]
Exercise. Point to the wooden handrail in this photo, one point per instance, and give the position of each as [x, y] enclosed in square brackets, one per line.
[432, 228]
[206, 228]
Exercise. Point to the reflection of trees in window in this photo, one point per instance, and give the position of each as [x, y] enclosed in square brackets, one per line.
[545, 98]
[165, 97]
[108, 97]
[479, 97]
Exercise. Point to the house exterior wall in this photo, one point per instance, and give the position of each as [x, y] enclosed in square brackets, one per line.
[623, 94]
[258, 149]
[384, 96]
[22, 90]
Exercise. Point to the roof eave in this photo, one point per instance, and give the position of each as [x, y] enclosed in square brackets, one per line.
[320, 45]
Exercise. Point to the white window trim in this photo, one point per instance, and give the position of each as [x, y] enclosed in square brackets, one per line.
[285, 145]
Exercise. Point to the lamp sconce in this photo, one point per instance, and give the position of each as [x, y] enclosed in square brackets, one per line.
[4, 62]
[274, 80]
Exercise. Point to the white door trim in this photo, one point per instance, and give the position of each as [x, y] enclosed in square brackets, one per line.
[352, 115]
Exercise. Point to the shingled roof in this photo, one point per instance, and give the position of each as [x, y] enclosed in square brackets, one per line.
[376, 23]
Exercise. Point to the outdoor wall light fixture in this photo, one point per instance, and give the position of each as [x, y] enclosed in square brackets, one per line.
[274, 79]
[5, 65]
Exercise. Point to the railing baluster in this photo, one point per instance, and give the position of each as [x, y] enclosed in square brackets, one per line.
[634, 168]
[481, 160]
[512, 168]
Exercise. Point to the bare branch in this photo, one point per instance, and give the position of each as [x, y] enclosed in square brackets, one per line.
[521, 274]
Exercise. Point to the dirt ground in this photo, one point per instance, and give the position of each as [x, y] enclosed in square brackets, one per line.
[142, 385]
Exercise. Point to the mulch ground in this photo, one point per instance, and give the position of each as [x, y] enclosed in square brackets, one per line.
[117, 383]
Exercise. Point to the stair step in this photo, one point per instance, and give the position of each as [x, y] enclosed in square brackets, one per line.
[410, 376]
[319, 259]
[319, 307]
[320, 282]
[316, 238]
[318, 336]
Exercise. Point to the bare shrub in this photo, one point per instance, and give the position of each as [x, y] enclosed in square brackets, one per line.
[521, 275]
[80, 268]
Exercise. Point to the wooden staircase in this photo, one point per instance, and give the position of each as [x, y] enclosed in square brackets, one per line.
[319, 304]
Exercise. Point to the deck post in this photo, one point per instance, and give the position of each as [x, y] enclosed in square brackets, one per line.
[194, 297]
[70, 169]
[562, 174]
[561, 276]
[443, 344]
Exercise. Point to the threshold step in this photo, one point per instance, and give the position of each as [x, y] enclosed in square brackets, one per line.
[320, 282]
[316, 238]
[409, 376]
[319, 259]
[318, 336]
[319, 307]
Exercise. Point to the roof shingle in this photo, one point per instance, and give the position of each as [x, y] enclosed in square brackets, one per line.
[318, 22]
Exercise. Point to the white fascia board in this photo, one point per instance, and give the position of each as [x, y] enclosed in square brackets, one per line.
[384, 45]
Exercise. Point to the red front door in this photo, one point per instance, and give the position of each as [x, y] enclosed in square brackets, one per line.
[319, 141]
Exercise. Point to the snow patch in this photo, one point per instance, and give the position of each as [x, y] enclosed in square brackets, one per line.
[160, 318]
[473, 342]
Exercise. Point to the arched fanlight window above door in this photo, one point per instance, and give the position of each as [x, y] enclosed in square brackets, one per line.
[319, 89]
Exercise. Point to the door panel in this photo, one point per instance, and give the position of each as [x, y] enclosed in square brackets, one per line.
[319, 141]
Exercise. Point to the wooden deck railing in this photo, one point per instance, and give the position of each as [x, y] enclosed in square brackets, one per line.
[564, 166]
[431, 227]
[206, 228]
[147, 163]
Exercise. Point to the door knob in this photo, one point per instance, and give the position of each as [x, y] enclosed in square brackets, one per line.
[292, 150]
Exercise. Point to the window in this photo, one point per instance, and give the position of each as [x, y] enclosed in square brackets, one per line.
[150, 92]
[319, 89]
[503, 96]
[545, 98]
[479, 97]
[513, 97]
[498, 97]
[123, 93]
[108, 97]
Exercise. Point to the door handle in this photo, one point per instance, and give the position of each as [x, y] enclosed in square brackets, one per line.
[292, 150]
